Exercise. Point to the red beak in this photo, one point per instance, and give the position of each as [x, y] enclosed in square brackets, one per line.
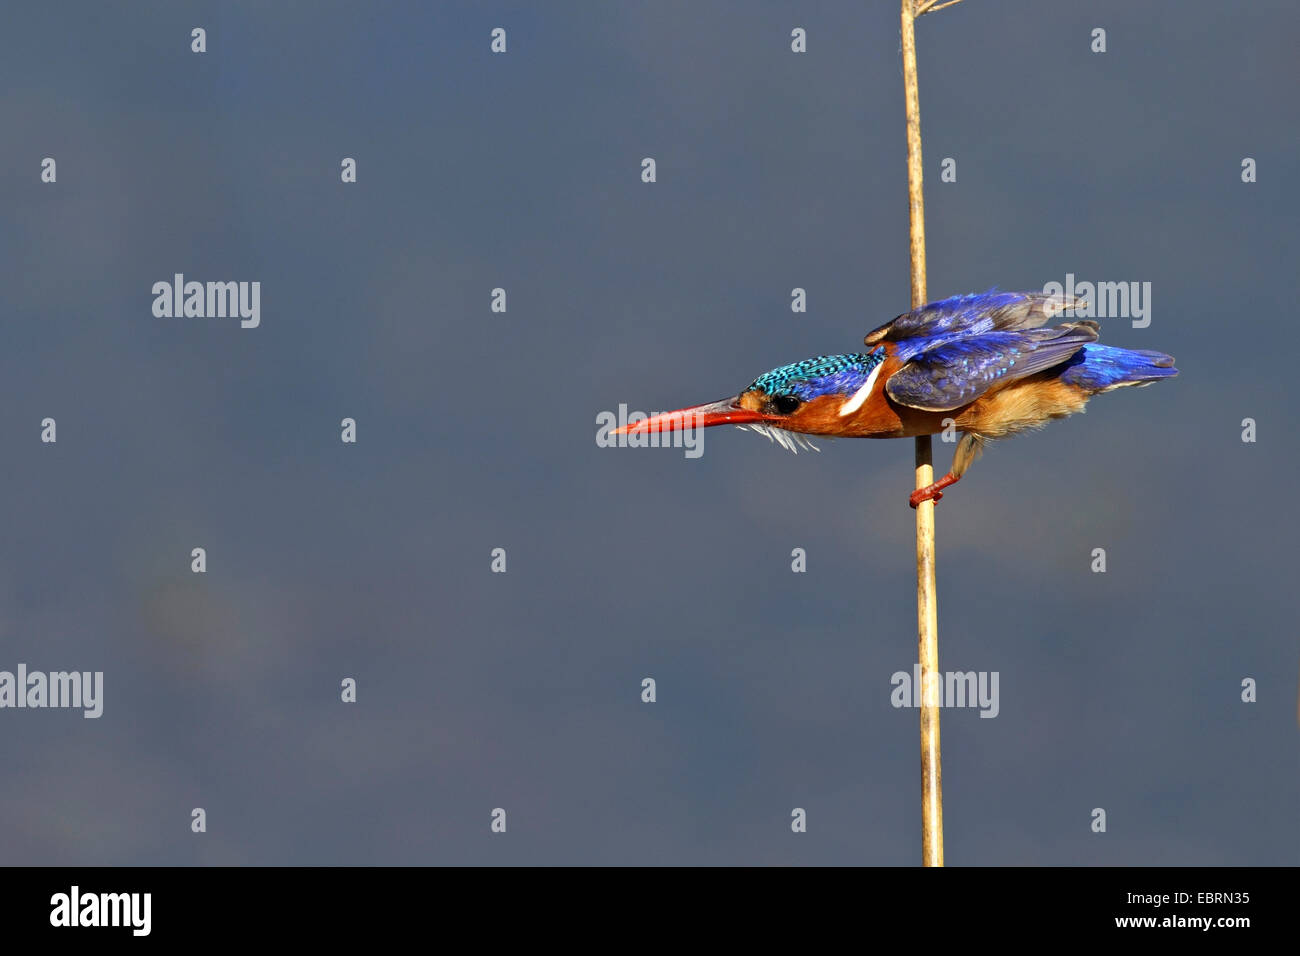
[725, 412]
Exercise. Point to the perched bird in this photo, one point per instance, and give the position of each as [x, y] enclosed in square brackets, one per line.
[982, 361]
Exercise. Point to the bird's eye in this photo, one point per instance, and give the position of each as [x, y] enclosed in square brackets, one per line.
[785, 404]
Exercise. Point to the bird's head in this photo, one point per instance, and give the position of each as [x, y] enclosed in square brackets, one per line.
[816, 396]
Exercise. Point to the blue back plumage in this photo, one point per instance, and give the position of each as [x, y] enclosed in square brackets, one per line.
[970, 314]
[960, 316]
[823, 375]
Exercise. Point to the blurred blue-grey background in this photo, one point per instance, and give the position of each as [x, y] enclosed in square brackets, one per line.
[476, 430]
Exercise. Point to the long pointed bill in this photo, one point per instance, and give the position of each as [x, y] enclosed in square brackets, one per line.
[725, 412]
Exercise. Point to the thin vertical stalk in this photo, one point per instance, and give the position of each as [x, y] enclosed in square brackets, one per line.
[927, 617]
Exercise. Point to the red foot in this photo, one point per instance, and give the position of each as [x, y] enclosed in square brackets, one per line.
[932, 492]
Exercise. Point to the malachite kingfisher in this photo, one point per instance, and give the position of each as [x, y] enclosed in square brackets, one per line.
[982, 365]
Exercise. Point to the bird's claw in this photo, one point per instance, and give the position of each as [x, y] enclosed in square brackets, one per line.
[933, 492]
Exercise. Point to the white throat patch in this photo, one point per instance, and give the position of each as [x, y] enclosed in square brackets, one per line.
[862, 394]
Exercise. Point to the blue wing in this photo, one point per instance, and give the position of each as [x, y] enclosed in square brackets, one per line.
[948, 372]
[972, 315]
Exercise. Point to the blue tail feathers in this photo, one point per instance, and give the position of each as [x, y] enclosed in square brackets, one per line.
[1096, 367]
